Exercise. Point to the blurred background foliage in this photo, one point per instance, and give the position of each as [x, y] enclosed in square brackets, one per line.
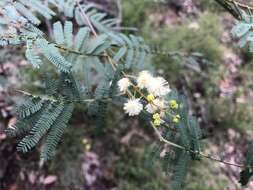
[194, 51]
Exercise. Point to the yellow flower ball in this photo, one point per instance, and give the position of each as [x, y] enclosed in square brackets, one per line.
[175, 120]
[150, 98]
[156, 116]
[173, 104]
[157, 122]
[87, 147]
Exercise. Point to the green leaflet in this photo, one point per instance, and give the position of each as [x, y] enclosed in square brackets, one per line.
[181, 171]
[32, 55]
[51, 85]
[46, 117]
[243, 30]
[33, 30]
[39, 7]
[104, 25]
[53, 55]
[106, 89]
[56, 132]
[240, 29]
[86, 67]
[120, 54]
[68, 33]
[195, 134]
[58, 3]
[31, 106]
[81, 38]
[27, 13]
[46, 120]
[135, 45]
[99, 107]
[153, 153]
[20, 128]
[98, 66]
[69, 7]
[25, 121]
[113, 84]
[69, 88]
[63, 36]
[98, 44]
[132, 51]
[58, 33]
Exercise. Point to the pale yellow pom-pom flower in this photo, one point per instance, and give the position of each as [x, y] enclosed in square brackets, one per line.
[133, 107]
[158, 86]
[143, 79]
[123, 84]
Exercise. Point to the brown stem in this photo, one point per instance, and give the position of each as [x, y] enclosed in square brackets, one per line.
[162, 139]
[86, 18]
[232, 7]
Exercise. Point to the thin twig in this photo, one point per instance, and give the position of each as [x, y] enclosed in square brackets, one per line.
[48, 23]
[119, 12]
[125, 28]
[86, 18]
[232, 7]
[66, 100]
[77, 52]
[162, 139]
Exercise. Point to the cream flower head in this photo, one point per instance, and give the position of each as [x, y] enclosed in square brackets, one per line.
[123, 84]
[158, 86]
[133, 107]
[144, 79]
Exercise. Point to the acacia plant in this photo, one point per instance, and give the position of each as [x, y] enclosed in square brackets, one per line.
[97, 65]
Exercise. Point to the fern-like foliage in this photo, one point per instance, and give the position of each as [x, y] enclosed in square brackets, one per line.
[53, 55]
[180, 170]
[39, 117]
[45, 122]
[72, 10]
[32, 55]
[30, 106]
[243, 31]
[25, 11]
[56, 132]
[131, 50]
